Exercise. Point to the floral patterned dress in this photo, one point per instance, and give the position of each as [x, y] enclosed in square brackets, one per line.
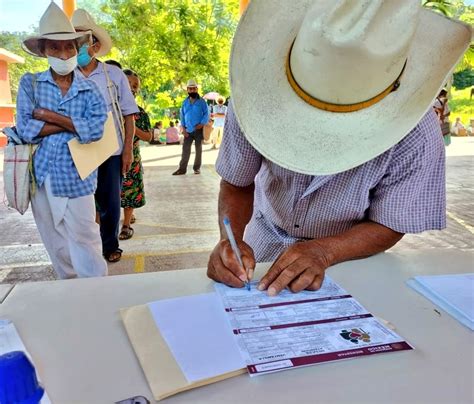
[133, 193]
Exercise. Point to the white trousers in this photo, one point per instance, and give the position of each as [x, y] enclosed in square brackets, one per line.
[69, 232]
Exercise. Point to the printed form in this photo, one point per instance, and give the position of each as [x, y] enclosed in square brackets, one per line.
[292, 330]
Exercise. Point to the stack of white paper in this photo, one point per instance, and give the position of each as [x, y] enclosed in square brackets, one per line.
[453, 293]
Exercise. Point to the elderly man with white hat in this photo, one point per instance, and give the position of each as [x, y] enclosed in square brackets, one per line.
[115, 89]
[352, 82]
[54, 107]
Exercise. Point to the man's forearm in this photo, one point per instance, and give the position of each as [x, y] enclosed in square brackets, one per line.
[361, 241]
[50, 129]
[54, 119]
[237, 204]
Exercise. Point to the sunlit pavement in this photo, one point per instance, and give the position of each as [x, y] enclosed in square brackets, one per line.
[177, 228]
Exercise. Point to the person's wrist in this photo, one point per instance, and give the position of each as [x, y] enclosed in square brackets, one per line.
[326, 251]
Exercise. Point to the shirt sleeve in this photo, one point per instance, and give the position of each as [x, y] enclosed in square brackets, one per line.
[205, 110]
[182, 115]
[128, 106]
[411, 196]
[28, 128]
[90, 127]
[238, 162]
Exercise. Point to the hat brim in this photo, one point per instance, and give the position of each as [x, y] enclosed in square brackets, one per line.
[101, 34]
[293, 134]
[32, 44]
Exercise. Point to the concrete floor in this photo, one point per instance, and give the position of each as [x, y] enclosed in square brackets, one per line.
[177, 228]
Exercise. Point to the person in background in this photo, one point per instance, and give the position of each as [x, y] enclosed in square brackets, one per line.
[172, 135]
[54, 107]
[178, 125]
[218, 114]
[157, 130]
[458, 128]
[194, 115]
[113, 63]
[115, 89]
[133, 192]
[470, 128]
[441, 108]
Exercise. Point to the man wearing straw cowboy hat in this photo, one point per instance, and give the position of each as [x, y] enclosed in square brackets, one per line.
[119, 99]
[54, 107]
[354, 82]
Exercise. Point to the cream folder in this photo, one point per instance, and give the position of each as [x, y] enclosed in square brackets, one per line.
[162, 372]
[87, 157]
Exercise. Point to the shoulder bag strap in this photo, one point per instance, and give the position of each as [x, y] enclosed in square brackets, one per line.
[115, 103]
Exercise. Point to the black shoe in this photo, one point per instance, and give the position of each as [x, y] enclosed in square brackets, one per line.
[197, 171]
[179, 172]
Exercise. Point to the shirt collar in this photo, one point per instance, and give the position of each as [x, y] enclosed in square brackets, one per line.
[78, 83]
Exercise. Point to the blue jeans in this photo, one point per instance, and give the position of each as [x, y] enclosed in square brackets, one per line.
[107, 198]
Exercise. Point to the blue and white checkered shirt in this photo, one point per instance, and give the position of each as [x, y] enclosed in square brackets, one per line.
[403, 189]
[84, 104]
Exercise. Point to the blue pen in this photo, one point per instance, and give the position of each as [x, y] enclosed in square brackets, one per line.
[235, 247]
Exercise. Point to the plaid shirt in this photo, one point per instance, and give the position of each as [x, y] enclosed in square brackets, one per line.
[403, 189]
[84, 104]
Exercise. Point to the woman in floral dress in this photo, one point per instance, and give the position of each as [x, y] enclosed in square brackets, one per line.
[133, 193]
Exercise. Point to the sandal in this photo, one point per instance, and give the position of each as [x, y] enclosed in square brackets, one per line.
[133, 219]
[114, 256]
[126, 233]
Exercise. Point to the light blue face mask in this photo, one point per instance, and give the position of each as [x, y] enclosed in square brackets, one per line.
[83, 57]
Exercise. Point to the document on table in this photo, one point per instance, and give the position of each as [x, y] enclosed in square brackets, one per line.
[197, 331]
[453, 293]
[10, 341]
[292, 330]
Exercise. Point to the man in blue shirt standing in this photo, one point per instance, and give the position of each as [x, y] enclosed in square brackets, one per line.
[194, 115]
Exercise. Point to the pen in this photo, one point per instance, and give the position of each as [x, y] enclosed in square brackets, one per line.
[235, 247]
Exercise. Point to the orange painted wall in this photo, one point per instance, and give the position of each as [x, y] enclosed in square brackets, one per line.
[6, 117]
[243, 5]
[5, 94]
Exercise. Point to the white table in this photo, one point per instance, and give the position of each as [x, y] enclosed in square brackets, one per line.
[5, 289]
[73, 331]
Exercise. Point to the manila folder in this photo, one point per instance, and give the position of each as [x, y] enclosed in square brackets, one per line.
[162, 372]
[87, 157]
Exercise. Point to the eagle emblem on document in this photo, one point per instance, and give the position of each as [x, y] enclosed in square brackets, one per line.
[355, 335]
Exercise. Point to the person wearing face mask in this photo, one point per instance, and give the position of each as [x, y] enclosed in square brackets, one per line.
[194, 115]
[133, 192]
[120, 101]
[54, 107]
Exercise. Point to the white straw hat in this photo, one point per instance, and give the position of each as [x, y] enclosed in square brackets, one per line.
[191, 83]
[381, 61]
[54, 25]
[83, 21]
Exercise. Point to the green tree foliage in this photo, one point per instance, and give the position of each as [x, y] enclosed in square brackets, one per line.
[456, 9]
[463, 79]
[168, 42]
[12, 42]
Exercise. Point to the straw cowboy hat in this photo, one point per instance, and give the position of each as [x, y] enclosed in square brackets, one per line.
[54, 25]
[345, 79]
[83, 21]
[191, 83]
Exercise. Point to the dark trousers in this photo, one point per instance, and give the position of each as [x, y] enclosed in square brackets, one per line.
[107, 198]
[197, 137]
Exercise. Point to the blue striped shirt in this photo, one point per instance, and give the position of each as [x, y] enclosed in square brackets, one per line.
[403, 189]
[84, 104]
[194, 114]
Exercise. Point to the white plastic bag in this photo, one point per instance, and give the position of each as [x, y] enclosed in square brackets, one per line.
[17, 175]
